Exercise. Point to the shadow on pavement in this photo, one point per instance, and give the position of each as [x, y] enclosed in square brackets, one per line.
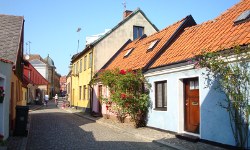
[52, 128]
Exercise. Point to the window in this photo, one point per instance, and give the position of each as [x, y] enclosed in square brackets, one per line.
[245, 16]
[80, 65]
[194, 85]
[138, 31]
[152, 45]
[128, 52]
[74, 69]
[90, 59]
[77, 64]
[84, 92]
[68, 88]
[85, 62]
[161, 95]
[80, 92]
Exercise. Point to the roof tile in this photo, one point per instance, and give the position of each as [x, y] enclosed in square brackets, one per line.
[215, 35]
[10, 33]
[140, 56]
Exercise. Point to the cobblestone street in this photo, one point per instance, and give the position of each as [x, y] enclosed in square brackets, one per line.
[53, 128]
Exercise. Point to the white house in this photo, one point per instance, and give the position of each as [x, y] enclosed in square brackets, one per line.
[5, 80]
[181, 103]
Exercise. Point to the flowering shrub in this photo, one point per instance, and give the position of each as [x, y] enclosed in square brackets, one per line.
[1, 94]
[127, 93]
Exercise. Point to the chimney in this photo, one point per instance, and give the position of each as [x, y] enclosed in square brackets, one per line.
[126, 13]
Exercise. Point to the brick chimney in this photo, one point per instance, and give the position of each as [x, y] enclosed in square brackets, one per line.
[126, 13]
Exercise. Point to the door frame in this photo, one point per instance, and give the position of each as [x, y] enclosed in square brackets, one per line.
[181, 107]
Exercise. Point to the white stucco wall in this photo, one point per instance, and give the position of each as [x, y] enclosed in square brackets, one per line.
[5, 79]
[214, 120]
[105, 49]
[41, 67]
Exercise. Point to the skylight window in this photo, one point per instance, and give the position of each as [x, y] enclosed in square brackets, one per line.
[128, 52]
[245, 16]
[152, 45]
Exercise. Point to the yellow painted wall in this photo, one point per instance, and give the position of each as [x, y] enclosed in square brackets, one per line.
[81, 77]
[16, 97]
[24, 96]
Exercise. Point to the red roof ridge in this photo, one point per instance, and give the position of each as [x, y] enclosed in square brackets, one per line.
[200, 25]
[163, 30]
[6, 61]
[171, 25]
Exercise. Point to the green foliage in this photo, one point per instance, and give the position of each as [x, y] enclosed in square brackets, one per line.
[230, 69]
[128, 93]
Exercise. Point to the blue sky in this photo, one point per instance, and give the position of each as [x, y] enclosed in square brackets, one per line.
[50, 25]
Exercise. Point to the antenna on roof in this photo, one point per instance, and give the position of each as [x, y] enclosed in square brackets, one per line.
[27, 54]
[78, 30]
[124, 5]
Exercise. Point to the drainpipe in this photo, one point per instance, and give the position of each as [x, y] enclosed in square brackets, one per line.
[91, 77]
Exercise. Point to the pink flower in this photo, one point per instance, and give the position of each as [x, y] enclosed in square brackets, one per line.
[123, 72]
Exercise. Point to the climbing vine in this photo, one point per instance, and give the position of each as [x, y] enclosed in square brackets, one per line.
[230, 69]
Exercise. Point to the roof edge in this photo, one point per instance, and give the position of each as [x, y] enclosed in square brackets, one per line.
[188, 21]
[116, 54]
[122, 22]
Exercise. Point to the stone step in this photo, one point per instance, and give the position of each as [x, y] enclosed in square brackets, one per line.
[187, 137]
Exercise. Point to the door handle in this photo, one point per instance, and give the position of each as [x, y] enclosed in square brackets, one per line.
[195, 103]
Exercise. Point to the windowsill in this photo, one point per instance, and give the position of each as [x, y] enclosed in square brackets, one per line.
[160, 109]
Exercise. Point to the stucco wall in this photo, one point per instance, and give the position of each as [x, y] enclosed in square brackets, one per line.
[5, 77]
[81, 79]
[105, 49]
[214, 120]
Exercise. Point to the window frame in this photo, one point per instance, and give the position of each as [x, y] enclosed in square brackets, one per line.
[164, 95]
[90, 59]
[80, 67]
[84, 92]
[85, 62]
[80, 92]
[137, 32]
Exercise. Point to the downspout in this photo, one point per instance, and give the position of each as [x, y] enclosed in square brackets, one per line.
[91, 88]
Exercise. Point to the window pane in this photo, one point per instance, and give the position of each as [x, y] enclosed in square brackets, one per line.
[191, 85]
[90, 60]
[165, 94]
[159, 95]
[135, 32]
[84, 91]
[81, 65]
[196, 84]
[140, 31]
[85, 62]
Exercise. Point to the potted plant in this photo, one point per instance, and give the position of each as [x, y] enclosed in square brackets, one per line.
[1, 94]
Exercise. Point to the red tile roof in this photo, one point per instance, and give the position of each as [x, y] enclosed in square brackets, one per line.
[140, 56]
[215, 35]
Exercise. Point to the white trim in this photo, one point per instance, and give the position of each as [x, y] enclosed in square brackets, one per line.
[166, 71]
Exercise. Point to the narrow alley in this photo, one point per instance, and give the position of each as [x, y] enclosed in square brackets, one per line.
[53, 128]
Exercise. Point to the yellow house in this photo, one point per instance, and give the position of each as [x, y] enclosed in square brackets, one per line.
[81, 76]
[97, 52]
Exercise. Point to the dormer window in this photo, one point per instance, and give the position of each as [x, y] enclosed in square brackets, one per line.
[152, 45]
[138, 31]
[245, 16]
[128, 52]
